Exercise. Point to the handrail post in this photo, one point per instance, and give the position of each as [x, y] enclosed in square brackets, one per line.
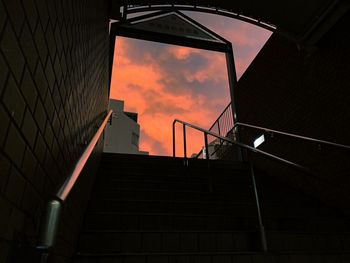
[206, 146]
[257, 202]
[51, 223]
[49, 227]
[184, 136]
[219, 127]
[220, 132]
[174, 149]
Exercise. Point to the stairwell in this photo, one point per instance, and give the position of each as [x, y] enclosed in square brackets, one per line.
[156, 209]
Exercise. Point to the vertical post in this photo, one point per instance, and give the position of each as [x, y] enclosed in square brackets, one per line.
[174, 149]
[112, 44]
[49, 229]
[232, 80]
[125, 11]
[261, 226]
[206, 146]
[184, 133]
[221, 142]
[219, 128]
[207, 157]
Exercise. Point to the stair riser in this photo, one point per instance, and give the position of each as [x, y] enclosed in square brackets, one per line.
[208, 242]
[166, 178]
[168, 242]
[149, 207]
[175, 196]
[167, 222]
[240, 258]
[143, 205]
[243, 209]
[170, 222]
[175, 186]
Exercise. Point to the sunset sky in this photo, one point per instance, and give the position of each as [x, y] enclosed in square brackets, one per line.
[162, 82]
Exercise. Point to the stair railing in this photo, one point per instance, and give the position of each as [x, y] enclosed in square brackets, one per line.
[224, 123]
[250, 150]
[52, 216]
[295, 136]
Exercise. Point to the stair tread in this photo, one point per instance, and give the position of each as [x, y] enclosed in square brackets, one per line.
[311, 252]
[135, 208]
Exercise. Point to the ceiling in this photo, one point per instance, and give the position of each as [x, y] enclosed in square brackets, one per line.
[305, 22]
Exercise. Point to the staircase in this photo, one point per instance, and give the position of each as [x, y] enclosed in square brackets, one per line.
[154, 209]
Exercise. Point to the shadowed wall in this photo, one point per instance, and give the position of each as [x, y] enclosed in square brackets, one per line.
[54, 91]
[307, 93]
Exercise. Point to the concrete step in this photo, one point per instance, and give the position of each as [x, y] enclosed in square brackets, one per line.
[189, 206]
[220, 257]
[112, 175]
[206, 241]
[210, 222]
[163, 206]
[148, 184]
[237, 194]
[131, 241]
[166, 161]
[167, 221]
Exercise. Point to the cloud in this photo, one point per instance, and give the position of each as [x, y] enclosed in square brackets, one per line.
[163, 82]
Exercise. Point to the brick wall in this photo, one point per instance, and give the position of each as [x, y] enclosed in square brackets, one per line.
[307, 93]
[53, 93]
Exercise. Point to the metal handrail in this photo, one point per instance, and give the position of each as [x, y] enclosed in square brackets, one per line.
[288, 134]
[241, 145]
[52, 216]
[244, 146]
[257, 151]
[305, 138]
[218, 118]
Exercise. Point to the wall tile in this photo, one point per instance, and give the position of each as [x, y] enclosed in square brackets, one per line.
[5, 122]
[29, 90]
[14, 101]
[40, 41]
[5, 208]
[28, 47]
[15, 146]
[5, 167]
[3, 73]
[29, 128]
[29, 164]
[15, 10]
[15, 187]
[12, 52]
[32, 14]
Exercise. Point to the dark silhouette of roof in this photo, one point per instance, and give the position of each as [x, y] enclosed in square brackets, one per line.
[305, 22]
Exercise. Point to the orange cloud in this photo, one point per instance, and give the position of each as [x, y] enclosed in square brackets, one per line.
[164, 82]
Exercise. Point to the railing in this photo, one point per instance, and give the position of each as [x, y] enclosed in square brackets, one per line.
[243, 146]
[295, 136]
[224, 123]
[225, 126]
[249, 150]
[52, 216]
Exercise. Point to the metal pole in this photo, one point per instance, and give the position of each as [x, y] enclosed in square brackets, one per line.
[220, 132]
[206, 146]
[261, 226]
[184, 133]
[174, 150]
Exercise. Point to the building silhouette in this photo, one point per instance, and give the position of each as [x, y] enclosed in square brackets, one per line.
[123, 133]
[54, 87]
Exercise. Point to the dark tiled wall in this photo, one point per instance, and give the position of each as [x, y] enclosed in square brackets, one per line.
[307, 93]
[53, 93]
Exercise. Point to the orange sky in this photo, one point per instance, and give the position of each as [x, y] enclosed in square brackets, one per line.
[163, 82]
